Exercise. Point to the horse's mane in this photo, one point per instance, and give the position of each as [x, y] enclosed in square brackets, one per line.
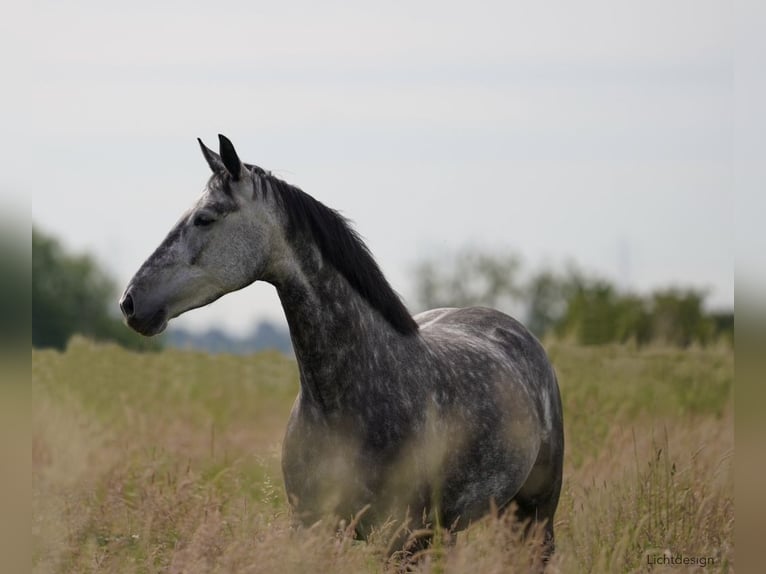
[341, 246]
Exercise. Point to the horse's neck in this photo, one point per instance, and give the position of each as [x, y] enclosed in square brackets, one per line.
[338, 339]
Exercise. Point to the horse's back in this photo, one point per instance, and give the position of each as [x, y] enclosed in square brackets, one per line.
[480, 333]
[475, 321]
[488, 331]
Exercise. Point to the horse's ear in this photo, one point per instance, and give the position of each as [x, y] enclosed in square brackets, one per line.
[229, 157]
[212, 158]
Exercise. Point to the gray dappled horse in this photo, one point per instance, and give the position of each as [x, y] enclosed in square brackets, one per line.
[437, 416]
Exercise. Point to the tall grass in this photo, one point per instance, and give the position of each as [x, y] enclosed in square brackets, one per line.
[170, 462]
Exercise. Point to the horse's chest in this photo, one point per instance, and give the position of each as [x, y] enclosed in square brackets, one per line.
[331, 464]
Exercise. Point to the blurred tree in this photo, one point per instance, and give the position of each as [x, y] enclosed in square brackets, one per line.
[596, 313]
[547, 295]
[14, 283]
[71, 294]
[472, 277]
[546, 302]
[591, 311]
[678, 317]
[723, 326]
[590, 315]
[634, 321]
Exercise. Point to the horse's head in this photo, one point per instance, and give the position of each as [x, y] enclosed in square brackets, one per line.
[219, 245]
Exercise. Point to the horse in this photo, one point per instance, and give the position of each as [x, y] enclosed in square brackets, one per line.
[432, 420]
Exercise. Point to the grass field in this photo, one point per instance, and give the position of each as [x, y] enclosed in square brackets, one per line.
[169, 462]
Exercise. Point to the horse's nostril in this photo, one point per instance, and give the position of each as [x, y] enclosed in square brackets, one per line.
[126, 305]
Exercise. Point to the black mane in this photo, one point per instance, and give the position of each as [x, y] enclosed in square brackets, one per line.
[342, 247]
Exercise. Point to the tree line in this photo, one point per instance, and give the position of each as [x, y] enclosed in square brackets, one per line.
[72, 294]
[570, 304]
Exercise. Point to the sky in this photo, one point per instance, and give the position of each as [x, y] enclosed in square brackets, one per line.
[597, 132]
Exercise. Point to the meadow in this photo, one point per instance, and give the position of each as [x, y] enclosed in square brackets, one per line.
[170, 462]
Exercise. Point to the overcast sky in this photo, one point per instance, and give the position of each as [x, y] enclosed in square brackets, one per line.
[599, 132]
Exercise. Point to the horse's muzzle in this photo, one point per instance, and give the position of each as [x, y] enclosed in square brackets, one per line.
[126, 305]
[145, 321]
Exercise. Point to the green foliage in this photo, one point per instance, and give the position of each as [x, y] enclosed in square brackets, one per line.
[15, 282]
[588, 310]
[590, 313]
[547, 296]
[679, 319]
[596, 314]
[71, 294]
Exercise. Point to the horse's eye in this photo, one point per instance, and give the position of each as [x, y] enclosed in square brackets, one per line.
[202, 220]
